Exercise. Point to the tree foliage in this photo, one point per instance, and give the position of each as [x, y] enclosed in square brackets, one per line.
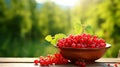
[24, 24]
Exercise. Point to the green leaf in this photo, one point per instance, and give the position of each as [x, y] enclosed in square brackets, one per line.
[60, 35]
[57, 37]
[48, 38]
[54, 42]
[88, 29]
[77, 27]
[99, 33]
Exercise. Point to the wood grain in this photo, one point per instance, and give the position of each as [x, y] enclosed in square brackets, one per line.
[32, 59]
[21, 60]
[28, 62]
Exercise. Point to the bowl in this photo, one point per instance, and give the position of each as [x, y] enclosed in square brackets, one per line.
[87, 55]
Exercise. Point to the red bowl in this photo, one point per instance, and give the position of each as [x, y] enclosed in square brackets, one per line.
[83, 54]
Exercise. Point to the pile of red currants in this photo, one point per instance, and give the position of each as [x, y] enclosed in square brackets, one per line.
[51, 60]
[81, 41]
[55, 59]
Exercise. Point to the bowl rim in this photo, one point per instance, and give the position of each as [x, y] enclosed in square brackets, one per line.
[107, 46]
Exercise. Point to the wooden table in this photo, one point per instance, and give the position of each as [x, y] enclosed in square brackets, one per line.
[28, 62]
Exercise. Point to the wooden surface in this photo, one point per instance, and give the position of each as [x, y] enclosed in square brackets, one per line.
[28, 62]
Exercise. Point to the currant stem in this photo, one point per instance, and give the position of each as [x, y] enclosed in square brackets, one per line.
[83, 28]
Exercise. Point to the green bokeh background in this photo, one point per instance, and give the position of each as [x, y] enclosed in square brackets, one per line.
[24, 25]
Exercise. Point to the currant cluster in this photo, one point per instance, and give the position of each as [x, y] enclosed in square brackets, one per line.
[113, 65]
[81, 41]
[81, 64]
[51, 59]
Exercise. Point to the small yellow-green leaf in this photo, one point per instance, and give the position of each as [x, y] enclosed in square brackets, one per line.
[48, 38]
[54, 42]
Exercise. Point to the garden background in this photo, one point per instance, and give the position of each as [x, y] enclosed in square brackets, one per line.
[24, 24]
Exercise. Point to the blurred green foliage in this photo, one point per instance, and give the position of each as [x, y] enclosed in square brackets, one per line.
[24, 25]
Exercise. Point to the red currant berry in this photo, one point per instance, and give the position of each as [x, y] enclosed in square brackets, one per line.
[115, 65]
[36, 62]
[108, 65]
